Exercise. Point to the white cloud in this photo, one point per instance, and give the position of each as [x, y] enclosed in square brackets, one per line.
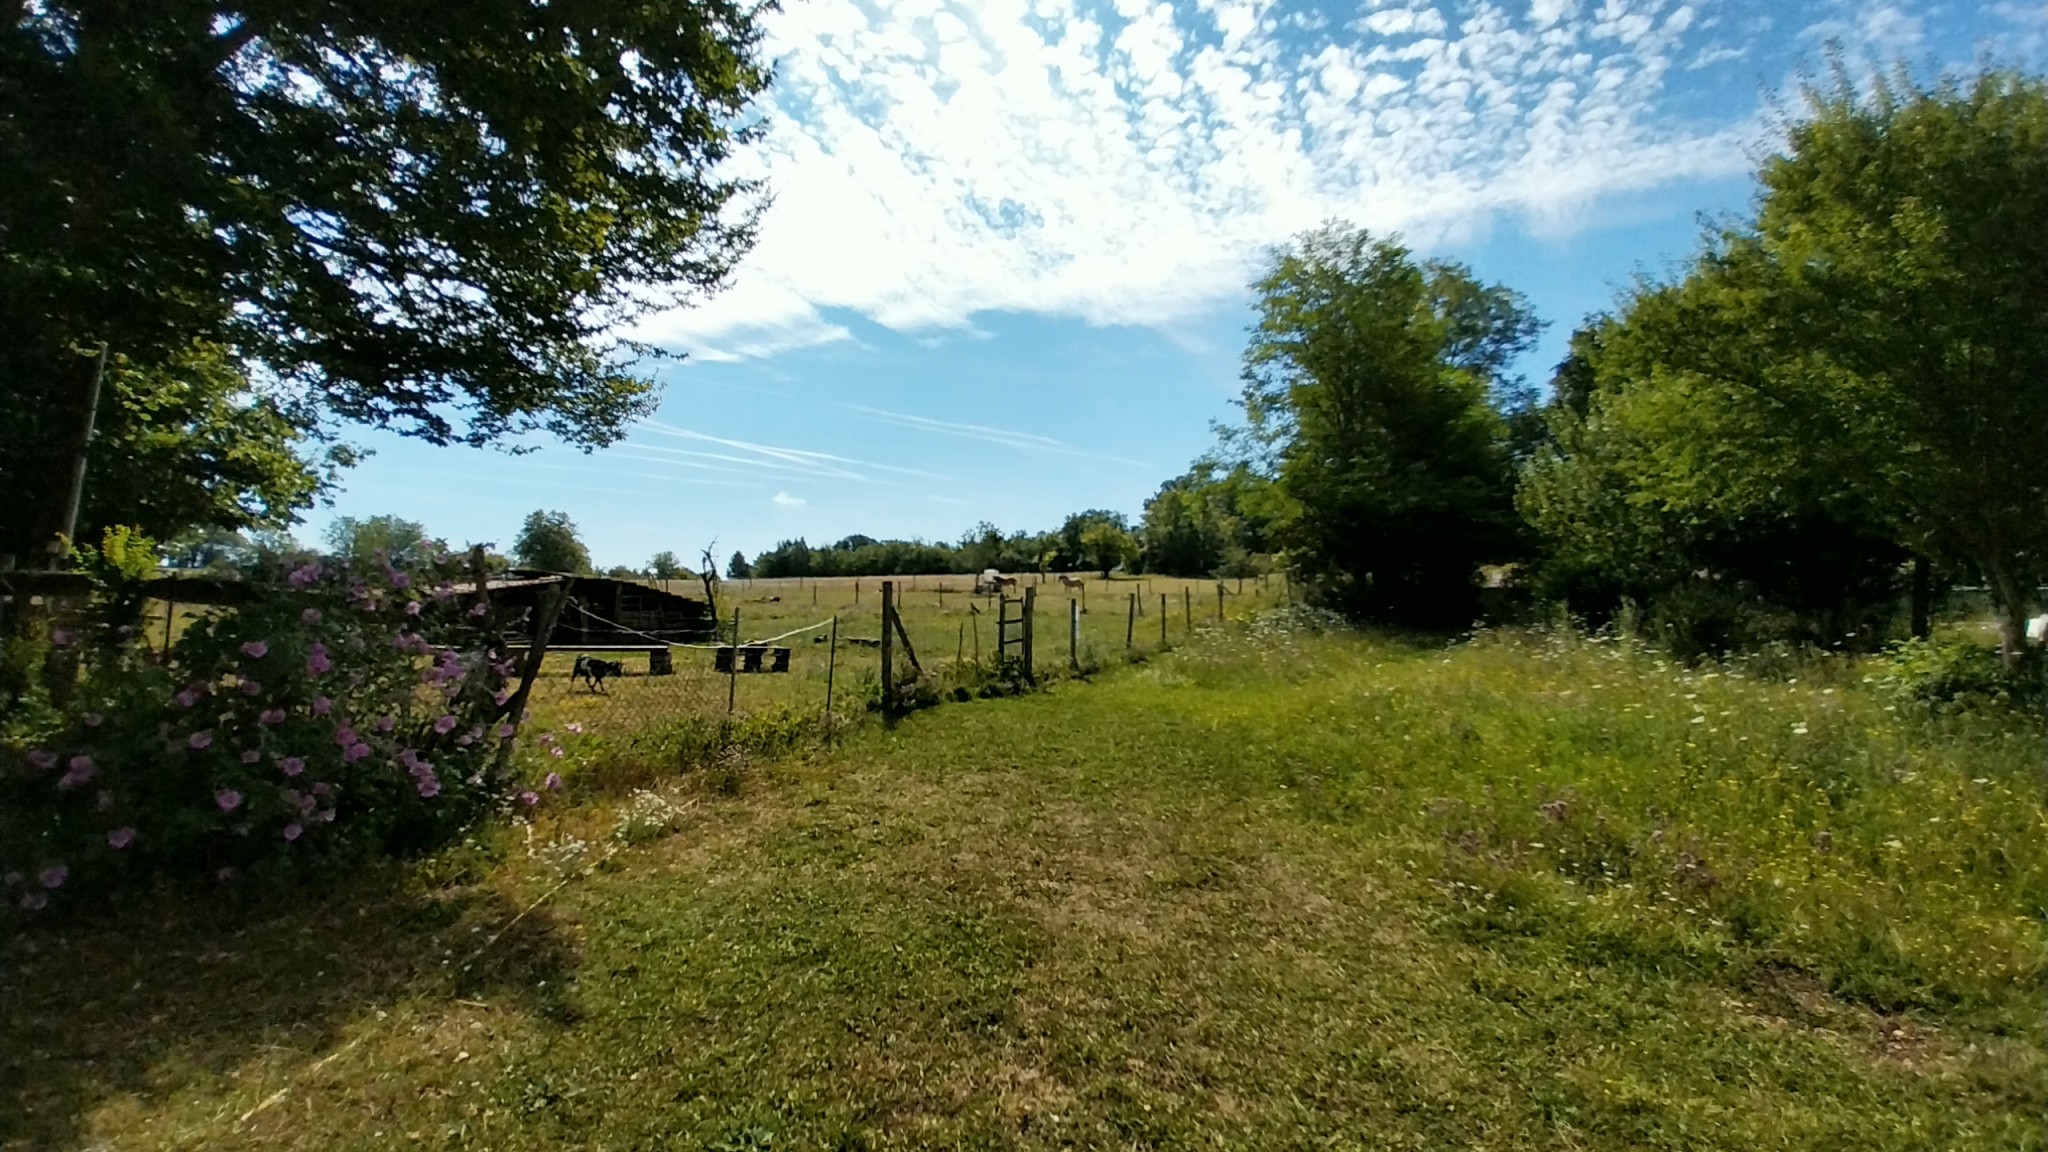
[785, 500]
[1126, 161]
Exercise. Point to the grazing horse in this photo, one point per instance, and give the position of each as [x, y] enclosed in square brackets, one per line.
[594, 672]
[1072, 582]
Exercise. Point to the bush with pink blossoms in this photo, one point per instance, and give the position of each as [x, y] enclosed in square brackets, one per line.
[344, 711]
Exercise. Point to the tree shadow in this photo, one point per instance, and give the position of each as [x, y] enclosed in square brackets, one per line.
[147, 1001]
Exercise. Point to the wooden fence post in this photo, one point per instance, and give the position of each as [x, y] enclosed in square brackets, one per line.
[888, 649]
[1074, 633]
[831, 667]
[1187, 611]
[1030, 613]
[1162, 621]
[1219, 601]
[732, 679]
[1131, 623]
[537, 651]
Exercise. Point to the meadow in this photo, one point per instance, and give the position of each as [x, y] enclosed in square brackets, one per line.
[1282, 887]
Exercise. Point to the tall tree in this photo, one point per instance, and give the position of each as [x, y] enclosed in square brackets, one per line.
[1370, 381]
[665, 566]
[548, 541]
[432, 225]
[1875, 340]
[393, 538]
[738, 568]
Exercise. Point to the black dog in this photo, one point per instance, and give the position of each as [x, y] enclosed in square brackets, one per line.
[593, 672]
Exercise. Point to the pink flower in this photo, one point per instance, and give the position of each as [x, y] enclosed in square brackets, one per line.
[345, 736]
[555, 752]
[326, 816]
[271, 716]
[317, 661]
[322, 788]
[412, 608]
[291, 765]
[292, 831]
[255, 649]
[225, 874]
[80, 770]
[429, 787]
[465, 740]
[322, 705]
[574, 727]
[479, 609]
[187, 698]
[554, 782]
[54, 876]
[400, 580]
[93, 719]
[252, 756]
[446, 724]
[304, 575]
[500, 696]
[310, 616]
[199, 741]
[228, 799]
[529, 798]
[120, 838]
[61, 637]
[351, 755]
[251, 688]
[386, 722]
[505, 731]
[43, 758]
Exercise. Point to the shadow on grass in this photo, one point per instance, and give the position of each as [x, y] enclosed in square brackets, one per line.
[144, 1003]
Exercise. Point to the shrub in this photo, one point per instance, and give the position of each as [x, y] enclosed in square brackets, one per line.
[346, 709]
[1951, 673]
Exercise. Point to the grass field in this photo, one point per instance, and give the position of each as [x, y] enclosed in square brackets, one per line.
[1273, 890]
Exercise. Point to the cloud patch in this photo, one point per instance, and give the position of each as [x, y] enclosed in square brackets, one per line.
[785, 500]
[1126, 162]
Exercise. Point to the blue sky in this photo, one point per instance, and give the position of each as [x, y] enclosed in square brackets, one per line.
[1004, 273]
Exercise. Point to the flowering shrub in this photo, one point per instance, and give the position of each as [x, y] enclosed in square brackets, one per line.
[345, 710]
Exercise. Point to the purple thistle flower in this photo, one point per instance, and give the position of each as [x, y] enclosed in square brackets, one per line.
[446, 724]
[199, 741]
[310, 616]
[500, 696]
[345, 736]
[42, 758]
[292, 831]
[400, 580]
[554, 782]
[252, 756]
[465, 740]
[386, 722]
[479, 609]
[429, 787]
[322, 705]
[529, 798]
[505, 731]
[228, 799]
[322, 788]
[255, 649]
[303, 575]
[251, 688]
[351, 755]
[186, 698]
[271, 716]
[412, 608]
[81, 770]
[291, 765]
[120, 838]
[317, 661]
[61, 637]
[54, 876]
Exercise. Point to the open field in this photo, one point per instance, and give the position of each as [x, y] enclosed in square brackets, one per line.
[1274, 890]
[952, 631]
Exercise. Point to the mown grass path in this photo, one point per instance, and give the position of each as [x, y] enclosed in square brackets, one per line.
[1272, 892]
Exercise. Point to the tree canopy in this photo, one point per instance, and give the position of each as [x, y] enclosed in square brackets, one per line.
[548, 541]
[1370, 389]
[432, 225]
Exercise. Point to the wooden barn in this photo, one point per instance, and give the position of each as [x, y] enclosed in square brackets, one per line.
[602, 612]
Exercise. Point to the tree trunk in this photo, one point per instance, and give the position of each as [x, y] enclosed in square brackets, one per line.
[1923, 598]
[2012, 604]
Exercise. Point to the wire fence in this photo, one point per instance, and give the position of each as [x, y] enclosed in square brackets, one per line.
[813, 647]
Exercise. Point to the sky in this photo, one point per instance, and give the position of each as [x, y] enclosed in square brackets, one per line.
[1004, 273]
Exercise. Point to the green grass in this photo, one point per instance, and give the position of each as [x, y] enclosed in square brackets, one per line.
[1272, 891]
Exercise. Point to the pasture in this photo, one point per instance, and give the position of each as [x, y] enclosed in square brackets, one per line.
[1276, 889]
